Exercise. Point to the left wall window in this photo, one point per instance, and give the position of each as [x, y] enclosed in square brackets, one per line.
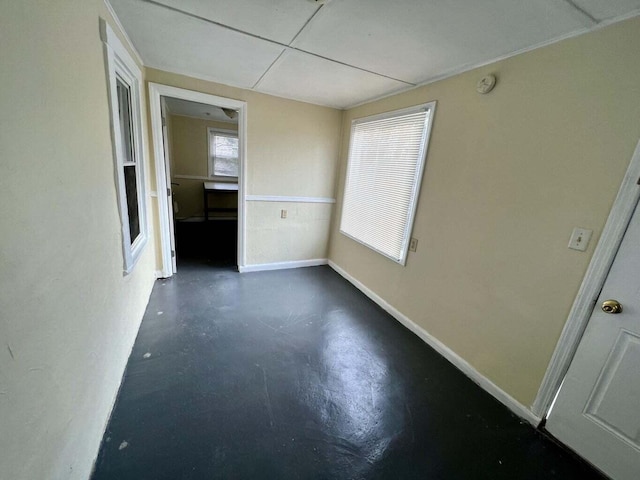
[124, 84]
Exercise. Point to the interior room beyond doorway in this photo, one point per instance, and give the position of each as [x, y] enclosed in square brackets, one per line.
[202, 146]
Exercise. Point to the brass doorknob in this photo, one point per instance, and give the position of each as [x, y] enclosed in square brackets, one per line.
[611, 306]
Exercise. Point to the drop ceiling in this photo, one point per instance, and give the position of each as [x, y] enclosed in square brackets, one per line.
[177, 106]
[345, 52]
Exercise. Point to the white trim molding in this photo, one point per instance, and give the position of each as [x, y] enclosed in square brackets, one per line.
[284, 198]
[594, 279]
[192, 177]
[156, 91]
[261, 267]
[113, 14]
[455, 359]
[213, 178]
[121, 68]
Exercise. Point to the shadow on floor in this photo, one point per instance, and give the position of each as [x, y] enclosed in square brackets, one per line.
[213, 242]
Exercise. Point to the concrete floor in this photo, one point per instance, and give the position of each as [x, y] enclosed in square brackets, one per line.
[295, 374]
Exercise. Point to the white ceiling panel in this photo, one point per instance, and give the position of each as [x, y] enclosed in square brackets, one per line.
[177, 106]
[311, 79]
[172, 41]
[278, 20]
[605, 9]
[415, 40]
[346, 51]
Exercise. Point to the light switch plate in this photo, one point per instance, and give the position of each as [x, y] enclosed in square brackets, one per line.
[580, 239]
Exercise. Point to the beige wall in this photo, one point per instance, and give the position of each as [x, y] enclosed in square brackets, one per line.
[508, 176]
[69, 316]
[292, 150]
[190, 144]
[306, 227]
[189, 156]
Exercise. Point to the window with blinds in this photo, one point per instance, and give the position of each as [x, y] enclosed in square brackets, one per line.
[223, 153]
[386, 159]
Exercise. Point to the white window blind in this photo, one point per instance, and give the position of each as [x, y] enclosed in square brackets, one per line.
[386, 160]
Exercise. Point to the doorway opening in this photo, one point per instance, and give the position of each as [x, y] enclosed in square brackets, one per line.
[199, 146]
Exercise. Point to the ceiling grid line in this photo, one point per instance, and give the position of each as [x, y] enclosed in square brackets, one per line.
[274, 42]
[582, 10]
[346, 53]
[213, 22]
[306, 52]
[255, 85]
[305, 24]
[293, 39]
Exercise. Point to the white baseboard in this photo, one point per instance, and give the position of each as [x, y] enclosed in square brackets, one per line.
[466, 368]
[260, 267]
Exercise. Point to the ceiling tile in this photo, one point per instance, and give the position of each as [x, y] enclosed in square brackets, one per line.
[415, 40]
[604, 9]
[278, 20]
[312, 79]
[177, 106]
[172, 41]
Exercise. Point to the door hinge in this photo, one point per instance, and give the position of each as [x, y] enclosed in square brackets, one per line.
[168, 192]
[164, 121]
[173, 253]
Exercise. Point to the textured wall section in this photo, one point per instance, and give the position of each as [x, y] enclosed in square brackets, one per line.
[508, 176]
[69, 317]
[303, 235]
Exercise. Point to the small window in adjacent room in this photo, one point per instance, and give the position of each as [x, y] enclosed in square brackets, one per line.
[124, 83]
[386, 160]
[223, 153]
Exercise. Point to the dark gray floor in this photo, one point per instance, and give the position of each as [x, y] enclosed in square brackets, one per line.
[296, 375]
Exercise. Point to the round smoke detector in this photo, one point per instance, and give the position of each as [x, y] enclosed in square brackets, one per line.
[486, 84]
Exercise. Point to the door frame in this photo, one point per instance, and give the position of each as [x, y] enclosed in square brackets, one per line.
[584, 303]
[156, 91]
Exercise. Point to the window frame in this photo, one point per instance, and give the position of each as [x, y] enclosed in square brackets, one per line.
[430, 107]
[210, 157]
[121, 67]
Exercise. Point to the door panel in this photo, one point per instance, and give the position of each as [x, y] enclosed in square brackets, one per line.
[613, 403]
[597, 411]
[167, 162]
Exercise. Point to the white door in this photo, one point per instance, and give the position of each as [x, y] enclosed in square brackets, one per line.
[597, 412]
[167, 161]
